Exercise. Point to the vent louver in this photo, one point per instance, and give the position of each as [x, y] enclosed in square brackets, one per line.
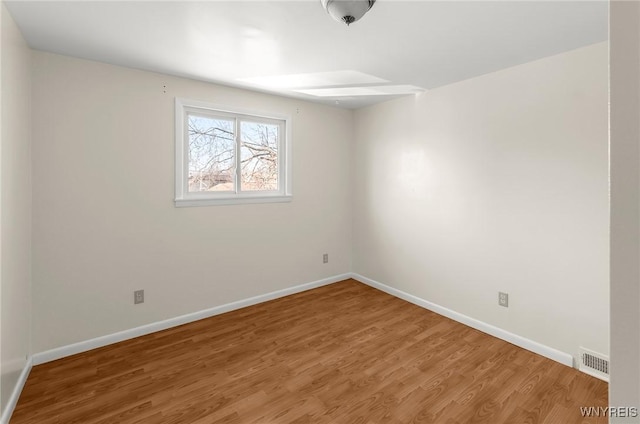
[594, 364]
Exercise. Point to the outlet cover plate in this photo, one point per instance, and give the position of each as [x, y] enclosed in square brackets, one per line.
[138, 297]
[503, 299]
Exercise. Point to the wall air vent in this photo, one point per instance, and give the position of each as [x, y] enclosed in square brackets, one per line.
[595, 364]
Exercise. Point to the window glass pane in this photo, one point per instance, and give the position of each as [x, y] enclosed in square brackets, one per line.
[211, 154]
[259, 156]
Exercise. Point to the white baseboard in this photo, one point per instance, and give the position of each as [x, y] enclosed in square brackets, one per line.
[535, 347]
[15, 394]
[72, 349]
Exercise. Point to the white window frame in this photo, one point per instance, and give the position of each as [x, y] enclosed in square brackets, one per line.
[184, 198]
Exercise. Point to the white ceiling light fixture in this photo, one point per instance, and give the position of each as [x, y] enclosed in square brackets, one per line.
[347, 11]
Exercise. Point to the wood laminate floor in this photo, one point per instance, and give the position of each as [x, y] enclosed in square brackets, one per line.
[344, 353]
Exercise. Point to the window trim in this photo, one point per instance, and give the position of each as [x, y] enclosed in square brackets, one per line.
[184, 198]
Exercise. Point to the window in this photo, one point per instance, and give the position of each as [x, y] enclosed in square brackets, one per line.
[228, 156]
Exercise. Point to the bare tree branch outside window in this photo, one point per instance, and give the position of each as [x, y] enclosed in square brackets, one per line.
[212, 155]
[259, 158]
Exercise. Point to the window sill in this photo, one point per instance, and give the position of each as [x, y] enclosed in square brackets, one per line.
[235, 200]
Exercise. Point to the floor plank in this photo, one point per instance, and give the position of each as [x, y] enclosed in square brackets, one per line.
[344, 353]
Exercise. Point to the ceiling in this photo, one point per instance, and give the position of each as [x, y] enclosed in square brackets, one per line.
[294, 48]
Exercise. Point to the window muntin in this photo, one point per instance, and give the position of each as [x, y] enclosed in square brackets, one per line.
[225, 156]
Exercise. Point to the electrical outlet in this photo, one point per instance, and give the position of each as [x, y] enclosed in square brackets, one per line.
[138, 297]
[503, 299]
[325, 258]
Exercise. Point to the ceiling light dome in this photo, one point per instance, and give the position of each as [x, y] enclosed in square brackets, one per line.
[347, 11]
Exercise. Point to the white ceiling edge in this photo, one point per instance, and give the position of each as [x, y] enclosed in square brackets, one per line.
[422, 43]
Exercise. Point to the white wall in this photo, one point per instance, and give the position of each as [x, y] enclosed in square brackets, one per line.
[625, 205]
[15, 186]
[497, 183]
[104, 221]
